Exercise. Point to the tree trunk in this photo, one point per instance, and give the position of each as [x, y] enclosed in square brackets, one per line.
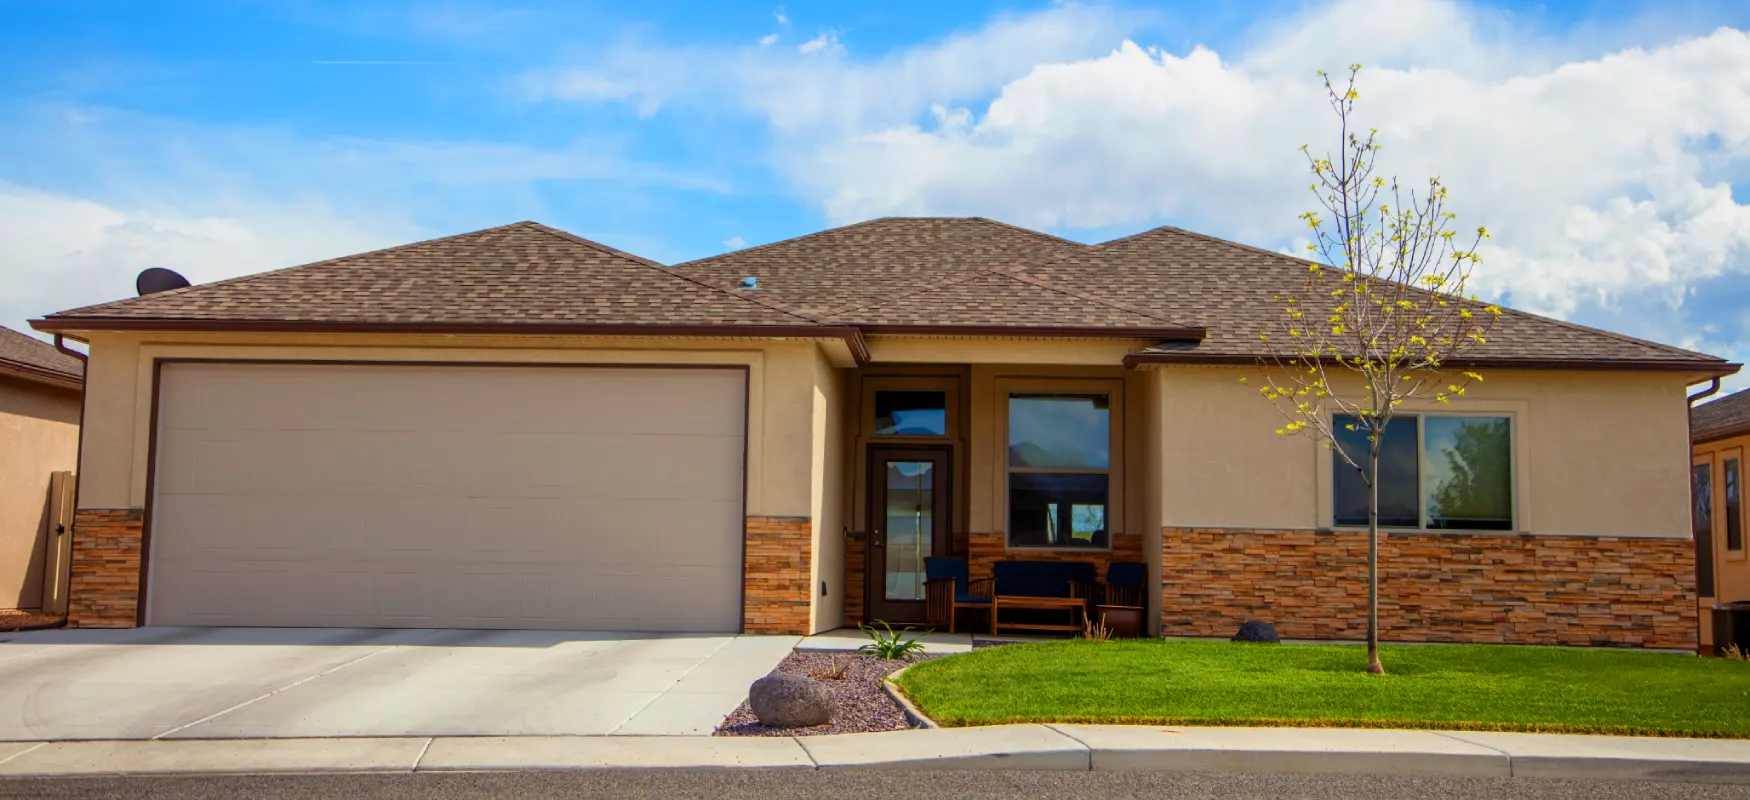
[1373, 665]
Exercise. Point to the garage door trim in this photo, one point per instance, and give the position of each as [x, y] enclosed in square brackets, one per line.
[157, 387]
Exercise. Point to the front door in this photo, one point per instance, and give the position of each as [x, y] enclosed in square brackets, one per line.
[909, 520]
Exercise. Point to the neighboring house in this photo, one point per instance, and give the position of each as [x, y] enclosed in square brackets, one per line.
[39, 435]
[520, 428]
[1720, 434]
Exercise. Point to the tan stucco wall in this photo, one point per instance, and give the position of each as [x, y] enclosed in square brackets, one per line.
[1597, 454]
[39, 434]
[828, 509]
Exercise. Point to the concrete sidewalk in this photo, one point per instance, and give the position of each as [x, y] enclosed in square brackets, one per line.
[1009, 747]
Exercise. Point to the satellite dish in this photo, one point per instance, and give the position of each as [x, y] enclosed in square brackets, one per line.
[153, 280]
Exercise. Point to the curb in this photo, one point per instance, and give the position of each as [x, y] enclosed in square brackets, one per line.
[913, 714]
[1074, 748]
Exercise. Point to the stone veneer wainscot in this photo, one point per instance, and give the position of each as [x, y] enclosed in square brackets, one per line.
[776, 576]
[1463, 587]
[104, 591]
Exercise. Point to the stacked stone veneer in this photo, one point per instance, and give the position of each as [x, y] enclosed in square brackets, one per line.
[776, 576]
[1433, 587]
[856, 576]
[104, 591]
[985, 549]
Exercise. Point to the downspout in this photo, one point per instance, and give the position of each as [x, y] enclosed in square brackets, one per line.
[1700, 567]
[78, 460]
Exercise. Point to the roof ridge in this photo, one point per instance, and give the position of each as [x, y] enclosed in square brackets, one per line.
[781, 242]
[253, 276]
[1001, 224]
[670, 271]
[1504, 309]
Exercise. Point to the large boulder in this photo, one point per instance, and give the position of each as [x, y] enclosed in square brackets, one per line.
[1255, 631]
[790, 701]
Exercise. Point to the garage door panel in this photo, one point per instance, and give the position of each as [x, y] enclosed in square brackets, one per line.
[448, 497]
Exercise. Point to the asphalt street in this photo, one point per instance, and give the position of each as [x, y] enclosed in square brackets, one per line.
[786, 784]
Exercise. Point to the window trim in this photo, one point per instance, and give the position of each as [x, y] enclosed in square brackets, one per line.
[1515, 473]
[1113, 389]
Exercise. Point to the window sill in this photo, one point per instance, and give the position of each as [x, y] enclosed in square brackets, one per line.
[1049, 549]
[1431, 531]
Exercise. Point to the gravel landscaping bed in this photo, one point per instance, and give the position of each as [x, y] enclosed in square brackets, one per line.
[861, 704]
[12, 619]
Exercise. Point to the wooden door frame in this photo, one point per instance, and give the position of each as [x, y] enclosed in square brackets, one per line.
[941, 533]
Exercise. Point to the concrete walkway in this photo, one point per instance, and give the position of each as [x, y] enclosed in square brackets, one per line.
[206, 683]
[840, 640]
[1009, 747]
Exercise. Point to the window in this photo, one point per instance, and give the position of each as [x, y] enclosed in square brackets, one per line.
[911, 413]
[1435, 471]
[1059, 465]
[1734, 507]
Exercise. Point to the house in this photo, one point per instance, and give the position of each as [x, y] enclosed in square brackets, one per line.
[39, 436]
[1719, 434]
[521, 428]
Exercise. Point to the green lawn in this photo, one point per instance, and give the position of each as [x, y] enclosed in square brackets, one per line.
[1456, 687]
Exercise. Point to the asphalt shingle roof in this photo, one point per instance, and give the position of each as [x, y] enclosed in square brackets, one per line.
[859, 264]
[525, 273]
[1727, 413]
[33, 353]
[1233, 290]
[889, 273]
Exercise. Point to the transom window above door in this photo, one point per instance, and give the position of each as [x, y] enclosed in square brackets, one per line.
[911, 412]
[1059, 470]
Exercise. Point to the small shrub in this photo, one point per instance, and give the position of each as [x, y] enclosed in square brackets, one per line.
[1731, 653]
[1096, 631]
[890, 644]
[834, 671]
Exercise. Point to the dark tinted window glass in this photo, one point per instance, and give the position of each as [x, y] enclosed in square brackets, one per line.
[1734, 507]
[1701, 517]
[1398, 478]
[911, 413]
[1057, 510]
[1072, 431]
[1470, 472]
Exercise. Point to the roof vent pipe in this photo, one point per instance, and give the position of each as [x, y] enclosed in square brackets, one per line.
[750, 282]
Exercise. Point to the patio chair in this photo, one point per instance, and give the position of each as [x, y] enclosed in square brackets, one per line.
[1122, 602]
[947, 590]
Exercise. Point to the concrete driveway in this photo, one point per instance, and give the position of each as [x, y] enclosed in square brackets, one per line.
[204, 683]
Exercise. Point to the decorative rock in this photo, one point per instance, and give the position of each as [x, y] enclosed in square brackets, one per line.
[1255, 631]
[789, 701]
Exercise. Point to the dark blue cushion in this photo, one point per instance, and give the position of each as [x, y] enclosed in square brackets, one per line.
[1126, 573]
[970, 598]
[1040, 578]
[938, 568]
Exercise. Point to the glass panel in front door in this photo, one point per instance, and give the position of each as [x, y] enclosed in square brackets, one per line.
[911, 504]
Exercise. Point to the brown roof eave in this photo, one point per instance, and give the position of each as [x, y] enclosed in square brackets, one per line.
[1722, 432]
[1054, 332]
[852, 337]
[31, 372]
[1703, 368]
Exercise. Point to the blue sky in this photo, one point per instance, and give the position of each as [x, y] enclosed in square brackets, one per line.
[1607, 144]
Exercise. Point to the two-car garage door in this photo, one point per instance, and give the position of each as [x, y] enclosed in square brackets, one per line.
[558, 497]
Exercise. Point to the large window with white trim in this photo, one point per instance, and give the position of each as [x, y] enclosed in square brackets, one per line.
[1436, 471]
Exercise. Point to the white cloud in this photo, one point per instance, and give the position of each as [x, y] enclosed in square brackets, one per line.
[778, 14]
[734, 243]
[826, 42]
[59, 252]
[768, 40]
[1605, 174]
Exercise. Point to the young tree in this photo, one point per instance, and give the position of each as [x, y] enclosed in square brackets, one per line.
[1382, 319]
